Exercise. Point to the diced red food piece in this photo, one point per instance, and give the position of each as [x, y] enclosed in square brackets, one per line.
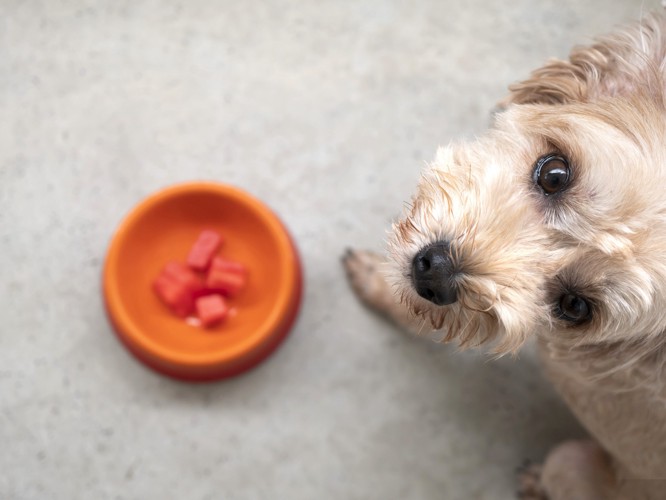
[232, 266]
[203, 250]
[225, 277]
[177, 286]
[211, 309]
[174, 295]
[183, 274]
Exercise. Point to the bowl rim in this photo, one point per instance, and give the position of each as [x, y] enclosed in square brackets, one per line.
[284, 305]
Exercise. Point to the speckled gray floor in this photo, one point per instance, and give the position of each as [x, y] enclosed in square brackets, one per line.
[327, 111]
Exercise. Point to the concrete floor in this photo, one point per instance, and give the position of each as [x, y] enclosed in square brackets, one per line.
[327, 111]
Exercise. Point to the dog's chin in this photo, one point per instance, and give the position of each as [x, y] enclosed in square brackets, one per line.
[454, 322]
[473, 320]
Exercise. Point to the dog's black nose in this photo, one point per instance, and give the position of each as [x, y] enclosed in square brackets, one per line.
[432, 274]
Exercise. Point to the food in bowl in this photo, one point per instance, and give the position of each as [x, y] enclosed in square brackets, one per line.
[200, 287]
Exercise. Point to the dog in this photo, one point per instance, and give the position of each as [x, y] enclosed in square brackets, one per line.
[553, 226]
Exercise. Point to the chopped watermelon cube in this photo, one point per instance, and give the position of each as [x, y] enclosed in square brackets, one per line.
[181, 273]
[174, 295]
[177, 286]
[232, 266]
[211, 309]
[225, 277]
[203, 250]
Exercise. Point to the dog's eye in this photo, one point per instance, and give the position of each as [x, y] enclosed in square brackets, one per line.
[573, 308]
[552, 173]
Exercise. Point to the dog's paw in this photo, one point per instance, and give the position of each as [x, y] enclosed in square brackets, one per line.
[366, 279]
[529, 482]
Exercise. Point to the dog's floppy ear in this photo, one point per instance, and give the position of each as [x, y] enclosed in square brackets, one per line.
[621, 64]
[558, 82]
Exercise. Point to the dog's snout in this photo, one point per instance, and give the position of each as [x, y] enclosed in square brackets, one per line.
[432, 274]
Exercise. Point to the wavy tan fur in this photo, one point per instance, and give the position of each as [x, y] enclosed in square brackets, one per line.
[518, 251]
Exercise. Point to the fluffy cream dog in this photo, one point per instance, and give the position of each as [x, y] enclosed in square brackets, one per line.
[554, 225]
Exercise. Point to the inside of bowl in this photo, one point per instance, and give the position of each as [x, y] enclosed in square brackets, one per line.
[166, 232]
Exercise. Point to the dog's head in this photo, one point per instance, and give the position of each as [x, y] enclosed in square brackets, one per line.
[554, 222]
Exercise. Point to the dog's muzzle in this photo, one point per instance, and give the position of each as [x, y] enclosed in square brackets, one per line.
[433, 273]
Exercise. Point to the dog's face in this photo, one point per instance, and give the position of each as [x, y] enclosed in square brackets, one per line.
[553, 223]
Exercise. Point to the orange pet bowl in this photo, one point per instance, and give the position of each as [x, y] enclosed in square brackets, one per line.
[163, 228]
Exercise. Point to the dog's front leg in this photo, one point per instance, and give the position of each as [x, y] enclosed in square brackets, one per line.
[574, 470]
